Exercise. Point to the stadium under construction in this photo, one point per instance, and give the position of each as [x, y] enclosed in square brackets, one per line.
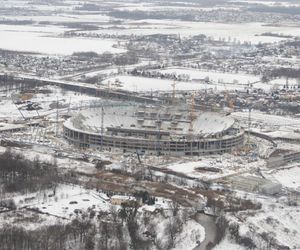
[159, 130]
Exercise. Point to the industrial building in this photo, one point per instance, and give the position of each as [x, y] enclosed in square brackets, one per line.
[154, 130]
[255, 184]
[278, 158]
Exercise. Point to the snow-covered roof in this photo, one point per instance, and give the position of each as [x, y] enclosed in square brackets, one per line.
[123, 197]
[8, 127]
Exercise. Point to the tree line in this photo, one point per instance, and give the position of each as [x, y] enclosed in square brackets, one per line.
[18, 174]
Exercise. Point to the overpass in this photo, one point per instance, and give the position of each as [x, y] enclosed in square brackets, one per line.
[86, 88]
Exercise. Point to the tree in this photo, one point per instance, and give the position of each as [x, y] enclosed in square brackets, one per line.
[234, 230]
[123, 213]
[104, 230]
[90, 241]
[247, 242]
[222, 225]
[174, 206]
[173, 227]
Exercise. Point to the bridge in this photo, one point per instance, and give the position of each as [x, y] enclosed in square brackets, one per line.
[86, 88]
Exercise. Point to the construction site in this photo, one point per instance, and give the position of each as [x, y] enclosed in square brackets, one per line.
[160, 130]
[204, 150]
[149, 125]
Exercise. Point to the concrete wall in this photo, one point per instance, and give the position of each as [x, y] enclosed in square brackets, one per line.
[167, 147]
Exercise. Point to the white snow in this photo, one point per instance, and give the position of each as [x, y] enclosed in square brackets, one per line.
[226, 244]
[69, 198]
[39, 43]
[242, 32]
[66, 98]
[191, 233]
[142, 84]
[289, 177]
[217, 77]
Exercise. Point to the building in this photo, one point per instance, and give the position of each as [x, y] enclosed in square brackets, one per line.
[154, 130]
[282, 157]
[255, 184]
[122, 199]
[270, 188]
[11, 128]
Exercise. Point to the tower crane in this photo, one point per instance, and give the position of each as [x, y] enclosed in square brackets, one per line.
[192, 112]
[173, 92]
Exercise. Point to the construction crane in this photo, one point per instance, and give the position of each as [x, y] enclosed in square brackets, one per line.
[57, 117]
[249, 126]
[109, 85]
[247, 146]
[158, 146]
[69, 106]
[192, 112]
[18, 109]
[102, 126]
[228, 101]
[173, 92]
[139, 154]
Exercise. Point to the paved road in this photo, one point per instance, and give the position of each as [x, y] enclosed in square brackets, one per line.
[210, 230]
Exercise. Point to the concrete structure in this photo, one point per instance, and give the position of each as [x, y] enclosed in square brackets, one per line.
[278, 159]
[255, 184]
[270, 188]
[11, 128]
[154, 130]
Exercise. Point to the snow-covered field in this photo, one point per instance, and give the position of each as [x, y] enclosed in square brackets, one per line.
[69, 199]
[45, 40]
[191, 233]
[217, 77]
[227, 244]
[144, 84]
[226, 164]
[218, 81]
[66, 99]
[278, 220]
[141, 84]
[63, 18]
[190, 168]
[249, 32]
[269, 3]
[288, 177]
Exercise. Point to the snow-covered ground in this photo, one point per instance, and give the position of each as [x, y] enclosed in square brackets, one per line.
[218, 81]
[69, 199]
[67, 99]
[141, 84]
[269, 3]
[226, 164]
[240, 32]
[288, 177]
[258, 118]
[278, 220]
[217, 77]
[191, 233]
[61, 18]
[43, 40]
[274, 126]
[227, 244]
[144, 84]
